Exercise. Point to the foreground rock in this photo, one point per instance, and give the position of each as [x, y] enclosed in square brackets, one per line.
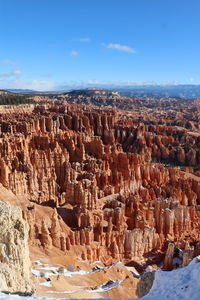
[182, 283]
[14, 252]
[145, 284]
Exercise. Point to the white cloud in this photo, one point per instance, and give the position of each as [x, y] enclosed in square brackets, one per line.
[84, 39]
[17, 72]
[110, 84]
[98, 83]
[74, 53]
[11, 74]
[121, 48]
[48, 85]
[38, 85]
[193, 80]
[8, 62]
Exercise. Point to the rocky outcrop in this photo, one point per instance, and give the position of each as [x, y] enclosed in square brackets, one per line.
[145, 284]
[14, 251]
[168, 261]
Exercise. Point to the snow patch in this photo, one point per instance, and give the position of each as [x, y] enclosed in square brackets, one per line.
[55, 272]
[106, 287]
[63, 292]
[46, 283]
[179, 284]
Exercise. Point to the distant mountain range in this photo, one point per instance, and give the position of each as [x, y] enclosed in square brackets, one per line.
[181, 91]
[23, 91]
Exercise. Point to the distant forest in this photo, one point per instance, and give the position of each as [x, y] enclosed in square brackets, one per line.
[15, 100]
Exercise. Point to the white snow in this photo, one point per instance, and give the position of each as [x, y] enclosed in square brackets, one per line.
[64, 292]
[105, 287]
[135, 274]
[55, 272]
[36, 273]
[49, 268]
[38, 263]
[179, 284]
[46, 283]
[149, 269]
[16, 297]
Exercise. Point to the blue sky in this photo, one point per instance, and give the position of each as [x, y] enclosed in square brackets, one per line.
[46, 44]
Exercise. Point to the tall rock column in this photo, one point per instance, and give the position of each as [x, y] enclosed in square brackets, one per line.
[14, 252]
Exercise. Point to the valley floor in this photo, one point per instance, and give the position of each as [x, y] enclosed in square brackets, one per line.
[179, 284]
[67, 277]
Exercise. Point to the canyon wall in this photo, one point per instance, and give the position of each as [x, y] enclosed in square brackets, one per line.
[108, 180]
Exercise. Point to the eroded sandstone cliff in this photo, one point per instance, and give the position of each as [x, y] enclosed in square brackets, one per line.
[14, 251]
[99, 181]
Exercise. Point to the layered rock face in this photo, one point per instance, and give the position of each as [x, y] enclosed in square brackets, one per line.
[14, 251]
[102, 176]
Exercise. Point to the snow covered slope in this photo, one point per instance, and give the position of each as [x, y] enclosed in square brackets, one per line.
[179, 284]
